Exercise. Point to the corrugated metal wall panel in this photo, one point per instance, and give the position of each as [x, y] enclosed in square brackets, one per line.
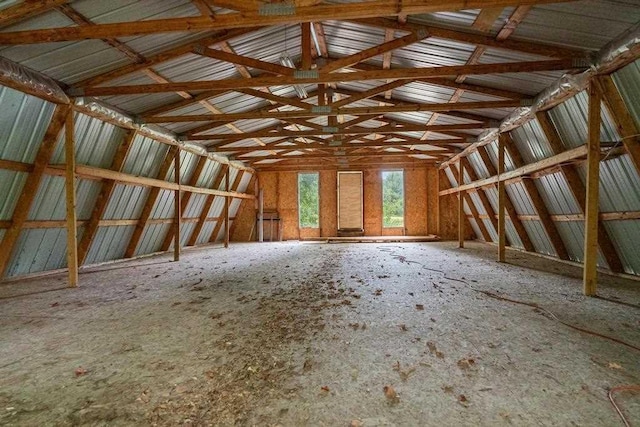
[628, 82]
[11, 184]
[49, 203]
[512, 235]
[478, 165]
[476, 201]
[23, 123]
[619, 185]
[95, 142]
[205, 233]
[476, 229]
[145, 157]
[152, 238]
[492, 231]
[557, 195]
[195, 206]
[626, 235]
[539, 237]
[127, 202]
[570, 119]
[531, 142]
[109, 244]
[520, 199]
[164, 207]
[572, 234]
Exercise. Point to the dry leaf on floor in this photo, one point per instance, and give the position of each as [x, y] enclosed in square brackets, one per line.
[614, 365]
[403, 327]
[325, 389]
[419, 307]
[391, 394]
[80, 371]
[356, 423]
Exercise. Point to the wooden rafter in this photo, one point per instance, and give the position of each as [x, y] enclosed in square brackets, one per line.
[246, 19]
[26, 9]
[30, 189]
[91, 228]
[397, 73]
[486, 18]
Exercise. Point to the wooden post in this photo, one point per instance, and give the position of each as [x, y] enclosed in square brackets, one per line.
[70, 188]
[461, 216]
[177, 216]
[501, 198]
[261, 215]
[590, 278]
[226, 211]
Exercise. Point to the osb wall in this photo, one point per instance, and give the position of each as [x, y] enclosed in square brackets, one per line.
[422, 207]
[449, 214]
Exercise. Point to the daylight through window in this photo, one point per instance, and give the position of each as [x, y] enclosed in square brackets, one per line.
[308, 200]
[392, 199]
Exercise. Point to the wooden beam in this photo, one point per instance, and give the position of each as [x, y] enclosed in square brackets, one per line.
[355, 130]
[154, 193]
[30, 189]
[243, 204]
[204, 214]
[538, 203]
[590, 278]
[353, 111]
[251, 19]
[216, 230]
[226, 211]
[163, 56]
[479, 39]
[625, 124]
[177, 207]
[395, 73]
[486, 18]
[512, 23]
[25, 10]
[501, 198]
[461, 215]
[472, 207]
[70, 192]
[571, 175]
[305, 45]
[91, 227]
[373, 51]
[184, 200]
[484, 199]
[508, 204]
[245, 61]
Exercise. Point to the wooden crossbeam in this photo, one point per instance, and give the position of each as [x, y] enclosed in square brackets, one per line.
[233, 58]
[358, 96]
[472, 207]
[204, 214]
[538, 202]
[184, 202]
[486, 18]
[434, 153]
[354, 130]
[571, 175]
[479, 39]
[246, 19]
[352, 111]
[182, 103]
[147, 210]
[102, 201]
[26, 9]
[70, 184]
[30, 189]
[512, 23]
[163, 56]
[236, 183]
[395, 73]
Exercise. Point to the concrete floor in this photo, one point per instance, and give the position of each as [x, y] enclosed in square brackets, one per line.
[313, 334]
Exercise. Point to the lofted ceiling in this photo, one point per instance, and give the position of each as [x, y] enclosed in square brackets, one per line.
[378, 82]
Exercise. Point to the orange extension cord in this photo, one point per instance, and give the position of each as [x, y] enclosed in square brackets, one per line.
[614, 390]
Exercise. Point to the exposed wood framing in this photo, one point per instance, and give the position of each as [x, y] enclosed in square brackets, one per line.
[590, 278]
[236, 183]
[204, 214]
[70, 198]
[252, 19]
[91, 228]
[461, 215]
[538, 202]
[579, 191]
[26, 9]
[30, 189]
[177, 207]
[243, 203]
[154, 193]
[472, 207]
[227, 206]
[501, 198]
[184, 200]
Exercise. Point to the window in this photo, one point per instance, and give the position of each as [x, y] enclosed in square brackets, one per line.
[308, 200]
[392, 199]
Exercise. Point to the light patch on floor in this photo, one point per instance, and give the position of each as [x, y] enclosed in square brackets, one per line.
[318, 334]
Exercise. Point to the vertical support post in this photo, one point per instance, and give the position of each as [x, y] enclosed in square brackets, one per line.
[461, 217]
[590, 278]
[261, 215]
[501, 198]
[306, 45]
[70, 188]
[177, 205]
[226, 210]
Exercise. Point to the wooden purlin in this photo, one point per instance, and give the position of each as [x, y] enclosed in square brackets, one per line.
[30, 189]
[106, 190]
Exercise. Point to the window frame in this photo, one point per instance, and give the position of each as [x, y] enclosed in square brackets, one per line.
[403, 198]
[300, 225]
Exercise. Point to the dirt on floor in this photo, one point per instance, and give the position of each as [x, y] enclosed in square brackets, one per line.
[290, 334]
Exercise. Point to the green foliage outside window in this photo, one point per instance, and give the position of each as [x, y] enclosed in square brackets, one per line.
[392, 199]
[308, 200]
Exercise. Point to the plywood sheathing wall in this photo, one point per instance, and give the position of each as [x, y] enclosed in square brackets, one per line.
[422, 206]
[448, 208]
